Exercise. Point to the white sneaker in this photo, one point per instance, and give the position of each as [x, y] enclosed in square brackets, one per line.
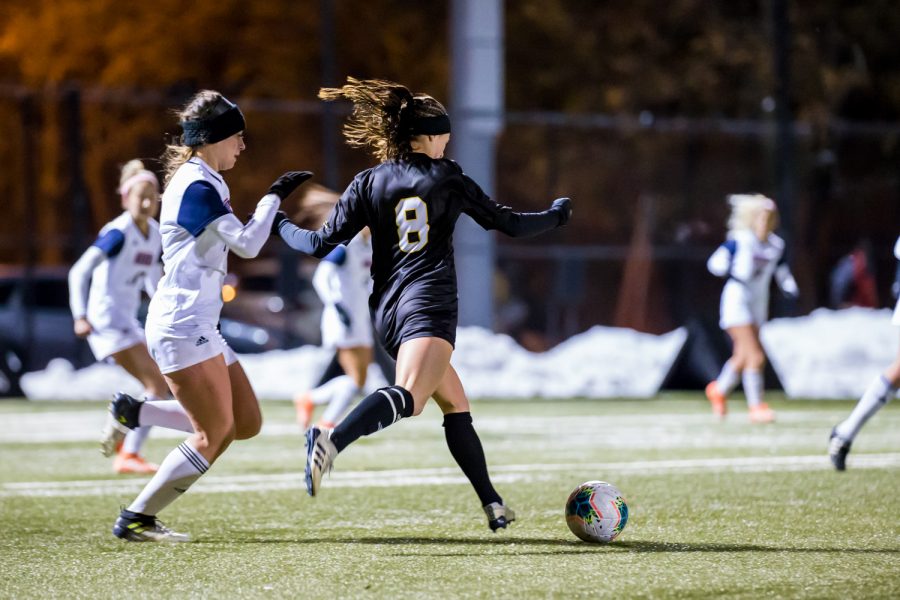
[499, 515]
[320, 453]
[112, 435]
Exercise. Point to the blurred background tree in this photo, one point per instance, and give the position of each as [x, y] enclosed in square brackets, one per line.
[609, 102]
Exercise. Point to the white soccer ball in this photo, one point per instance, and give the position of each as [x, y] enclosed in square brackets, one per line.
[596, 511]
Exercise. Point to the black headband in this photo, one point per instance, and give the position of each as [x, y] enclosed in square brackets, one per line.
[436, 125]
[198, 132]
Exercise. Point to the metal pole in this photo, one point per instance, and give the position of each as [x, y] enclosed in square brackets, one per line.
[784, 142]
[476, 40]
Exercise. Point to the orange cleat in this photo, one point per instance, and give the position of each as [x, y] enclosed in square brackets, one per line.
[716, 399]
[127, 463]
[304, 405]
[761, 413]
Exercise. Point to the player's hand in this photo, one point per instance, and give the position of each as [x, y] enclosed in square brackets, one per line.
[82, 327]
[343, 315]
[563, 207]
[287, 183]
[280, 217]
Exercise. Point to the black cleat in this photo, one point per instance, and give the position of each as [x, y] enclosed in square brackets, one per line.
[499, 515]
[136, 527]
[122, 418]
[838, 448]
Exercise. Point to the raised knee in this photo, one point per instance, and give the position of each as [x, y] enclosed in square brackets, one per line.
[248, 428]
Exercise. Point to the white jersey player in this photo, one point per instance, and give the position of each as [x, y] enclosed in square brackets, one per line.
[343, 282]
[749, 258]
[880, 391]
[105, 287]
[198, 230]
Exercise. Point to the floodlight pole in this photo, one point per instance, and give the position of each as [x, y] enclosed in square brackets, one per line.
[476, 108]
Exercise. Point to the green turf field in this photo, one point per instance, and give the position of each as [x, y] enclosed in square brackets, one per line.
[716, 509]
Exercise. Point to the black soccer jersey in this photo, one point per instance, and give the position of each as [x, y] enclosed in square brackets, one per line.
[411, 206]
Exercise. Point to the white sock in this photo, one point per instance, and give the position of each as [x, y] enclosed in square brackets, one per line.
[135, 439]
[753, 387]
[327, 391]
[727, 379]
[876, 395]
[341, 399]
[165, 413]
[181, 468]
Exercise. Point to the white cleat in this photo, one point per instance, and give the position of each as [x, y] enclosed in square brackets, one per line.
[112, 435]
[320, 453]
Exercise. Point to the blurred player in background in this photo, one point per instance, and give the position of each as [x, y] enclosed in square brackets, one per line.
[198, 230]
[881, 391]
[343, 284]
[411, 202]
[105, 287]
[748, 259]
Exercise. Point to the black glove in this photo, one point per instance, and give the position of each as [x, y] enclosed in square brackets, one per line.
[343, 315]
[280, 217]
[562, 206]
[289, 182]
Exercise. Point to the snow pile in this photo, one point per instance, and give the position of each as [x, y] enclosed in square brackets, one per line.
[601, 362]
[831, 354]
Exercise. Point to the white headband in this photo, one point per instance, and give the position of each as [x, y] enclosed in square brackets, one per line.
[140, 177]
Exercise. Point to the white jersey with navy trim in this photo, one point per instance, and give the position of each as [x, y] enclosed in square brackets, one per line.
[749, 264]
[344, 278]
[198, 229]
[120, 264]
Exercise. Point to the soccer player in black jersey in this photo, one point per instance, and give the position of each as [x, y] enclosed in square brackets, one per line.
[411, 202]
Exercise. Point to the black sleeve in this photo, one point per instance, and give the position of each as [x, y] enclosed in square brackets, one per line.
[491, 215]
[345, 221]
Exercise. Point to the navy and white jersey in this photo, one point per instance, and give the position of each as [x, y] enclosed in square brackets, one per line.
[411, 206]
[344, 275]
[343, 283]
[749, 264]
[198, 229]
[119, 265]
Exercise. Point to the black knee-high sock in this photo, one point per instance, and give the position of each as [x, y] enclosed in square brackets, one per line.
[465, 446]
[376, 411]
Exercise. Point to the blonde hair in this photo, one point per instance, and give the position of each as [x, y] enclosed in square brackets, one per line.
[130, 169]
[382, 114]
[746, 207]
[203, 105]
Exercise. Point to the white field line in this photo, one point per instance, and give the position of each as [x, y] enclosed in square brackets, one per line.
[450, 476]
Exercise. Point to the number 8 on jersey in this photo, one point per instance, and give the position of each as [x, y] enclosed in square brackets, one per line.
[412, 224]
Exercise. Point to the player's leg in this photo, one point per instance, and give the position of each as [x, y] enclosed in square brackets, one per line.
[466, 448]
[137, 362]
[355, 362]
[421, 365]
[247, 415]
[306, 401]
[127, 414]
[204, 389]
[880, 391]
[718, 389]
[753, 379]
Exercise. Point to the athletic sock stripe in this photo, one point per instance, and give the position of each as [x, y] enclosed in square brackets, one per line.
[192, 456]
[391, 402]
[402, 396]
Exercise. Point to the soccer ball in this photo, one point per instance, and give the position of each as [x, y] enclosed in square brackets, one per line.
[596, 511]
